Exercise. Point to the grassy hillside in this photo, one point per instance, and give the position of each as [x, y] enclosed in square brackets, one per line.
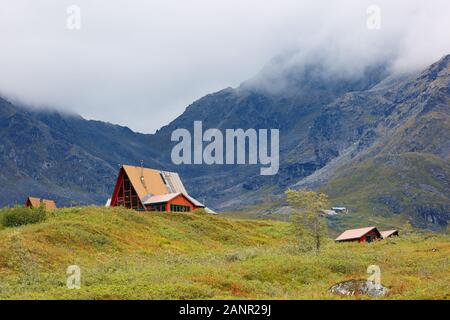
[390, 190]
[129, 255]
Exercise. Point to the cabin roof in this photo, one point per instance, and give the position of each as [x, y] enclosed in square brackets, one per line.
[210, 211]
[194, 201]
[164, 198]
[355, 233]
[387, 234]
[155, 186]
[36, 202]
[150, 181]
[49, 204]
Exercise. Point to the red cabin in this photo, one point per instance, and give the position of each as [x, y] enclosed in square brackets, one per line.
[32, 202]
[360, 235]
[147, 189]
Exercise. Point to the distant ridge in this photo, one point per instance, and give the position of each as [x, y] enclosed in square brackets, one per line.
[383, 153]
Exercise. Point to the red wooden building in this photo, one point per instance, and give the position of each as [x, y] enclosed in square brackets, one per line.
[33, 202]
[360, 235]
[151, 190]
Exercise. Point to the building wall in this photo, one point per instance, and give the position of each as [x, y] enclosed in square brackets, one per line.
[180, 200]
[372, 233]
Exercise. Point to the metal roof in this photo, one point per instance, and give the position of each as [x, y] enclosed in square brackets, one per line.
[355, 233]
[36, 202]
[163, 198]
[173, 182]
[155, 186]
[194, 201]
[210, 211]
[151, 199]
[146, 181]
[49, 204]
[387, 234]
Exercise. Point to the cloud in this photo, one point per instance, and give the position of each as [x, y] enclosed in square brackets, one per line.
[141, 63]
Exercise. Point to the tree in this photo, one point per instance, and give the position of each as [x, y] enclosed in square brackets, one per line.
[310, 226]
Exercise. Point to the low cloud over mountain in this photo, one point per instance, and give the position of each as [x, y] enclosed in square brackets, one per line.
[140, 64]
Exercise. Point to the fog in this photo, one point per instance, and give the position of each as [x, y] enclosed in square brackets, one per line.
[140, 63]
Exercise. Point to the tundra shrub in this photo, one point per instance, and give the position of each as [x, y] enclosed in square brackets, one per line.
[18, 216]
[200, 211]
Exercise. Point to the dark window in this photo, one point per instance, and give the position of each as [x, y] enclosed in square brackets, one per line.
[179, 208]
[158, 207]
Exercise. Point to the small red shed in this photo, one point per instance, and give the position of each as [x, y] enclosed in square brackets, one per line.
[368, 234]
[33, 202]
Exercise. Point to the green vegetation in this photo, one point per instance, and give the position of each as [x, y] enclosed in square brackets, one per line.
[130, 255]
[309, 224]
[18, 216]
[388, 191]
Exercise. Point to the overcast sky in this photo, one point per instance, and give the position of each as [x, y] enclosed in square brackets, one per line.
[140, 63]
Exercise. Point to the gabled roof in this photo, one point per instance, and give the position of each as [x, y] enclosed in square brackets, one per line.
[36, 202]
[210, 211]
[173, 182]
[387, 234]
[164, 198]
[355, 233]
[194, 201]
[156, 186]
[49, 204]
[150, 181]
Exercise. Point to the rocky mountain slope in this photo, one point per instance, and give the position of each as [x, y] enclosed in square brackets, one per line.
[400, 160]
[63, 157]
[292, 107]
[334, 131]
[376, 143]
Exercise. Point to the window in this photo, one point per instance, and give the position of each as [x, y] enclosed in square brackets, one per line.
[158, 207]
[179, 208]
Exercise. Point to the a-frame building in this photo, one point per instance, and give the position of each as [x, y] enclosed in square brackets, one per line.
[33, 202]
[147, 189]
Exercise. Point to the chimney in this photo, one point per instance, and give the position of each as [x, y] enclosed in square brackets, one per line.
[142, 174]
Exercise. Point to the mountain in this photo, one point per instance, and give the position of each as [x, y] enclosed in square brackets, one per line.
[377, 143]
[292, 107]
[399, 161]
[63, 157]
